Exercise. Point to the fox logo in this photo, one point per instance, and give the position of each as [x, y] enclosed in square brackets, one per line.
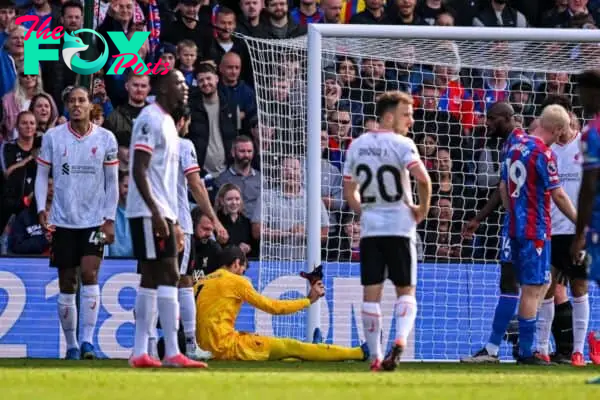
[73, 45]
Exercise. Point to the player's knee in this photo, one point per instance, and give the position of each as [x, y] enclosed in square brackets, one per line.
[185, 281]
[508, 281]
[67, 281]
[168, 276]
[579, 287]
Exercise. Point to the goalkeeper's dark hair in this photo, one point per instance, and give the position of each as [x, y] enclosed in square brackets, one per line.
[230, 254]
[589, 79]
[390, 100]
[559, 99]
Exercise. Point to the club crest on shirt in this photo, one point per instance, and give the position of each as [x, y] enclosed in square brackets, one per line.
[145, 129]
[552, 167]
[94, 150]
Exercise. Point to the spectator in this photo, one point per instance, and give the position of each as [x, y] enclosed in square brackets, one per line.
[213, 126]
[427, 149]
[167, 55]
[345, 246]
[430, 10]
[237, 93]
[119, 18]
[17, 161]
[521, 98]
[331, 183]
[187, 54]
[347, 77]
[277, 22]
[249, 22]
[555, 84]
[373, 80]
[445, 18]
[55, 74]
[374, 13]
[46, 114]
[241, 174]
[19, 100]
[499, 13]
[232, 214]
[495, 88]
[402, 12]
[442, 236]
[11, 56]
[339, 124]
[284, 225]
[42, 9]
[100, 96]
[186, 25]
[262, 138]
[27, 236]
[223, 42]
[560, 16]
[122, 246]
[454, 98]
[332, 11]
[207, 249]
[97, 115]
[120, 121]
[307, 13]
[7, 17]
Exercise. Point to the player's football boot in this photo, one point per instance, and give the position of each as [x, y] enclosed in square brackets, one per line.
[594, 345]
[481, 357]
[577, 360]
[181, 361]
[560, 358]
[73, 354]
[144, 361]
[365, 349]
[317, 336]
[534, 360]
[87, 351]
[375, 365]
[199, 355]
[545, 357]
[392, 360]
[314, 276]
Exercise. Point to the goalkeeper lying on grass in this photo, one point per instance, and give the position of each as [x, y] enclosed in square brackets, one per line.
[220, 297]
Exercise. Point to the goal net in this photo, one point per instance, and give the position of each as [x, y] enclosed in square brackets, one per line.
[453, 82]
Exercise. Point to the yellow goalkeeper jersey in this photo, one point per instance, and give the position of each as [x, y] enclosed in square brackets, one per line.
[218, 304]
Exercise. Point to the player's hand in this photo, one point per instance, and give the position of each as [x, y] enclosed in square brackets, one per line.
[222, 234]
[317, 290]
[108, 229]
[418, 213]
[159, 225]
[245, 247]
[469, 228]
[43, 219]
[179, 238]
[577, 253]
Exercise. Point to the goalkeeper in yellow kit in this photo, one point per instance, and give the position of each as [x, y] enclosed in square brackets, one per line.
[220, 296]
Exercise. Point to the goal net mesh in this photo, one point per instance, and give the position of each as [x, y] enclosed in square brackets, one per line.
[452, 82]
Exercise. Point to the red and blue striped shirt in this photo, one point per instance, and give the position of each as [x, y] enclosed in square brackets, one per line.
[530, 174]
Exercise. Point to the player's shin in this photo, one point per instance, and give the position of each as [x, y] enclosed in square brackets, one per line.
[90, 305]
[188, 317]
[67, 313]
[530, 295]
[145, 306]
[544, 325]
[581, 318]
[168, 313]
[406, 313]
[505, 310]
[372, 321]
[153, 334]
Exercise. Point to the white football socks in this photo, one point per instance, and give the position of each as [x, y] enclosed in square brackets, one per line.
[372, 322]
[581, 319]
[90, 305]
[406, 313]
[145, 310]
[67, 313]
[168, 313]
[544, 325]
[187, 307]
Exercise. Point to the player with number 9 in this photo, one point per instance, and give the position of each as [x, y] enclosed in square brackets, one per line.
[529, 179]
[377, 186]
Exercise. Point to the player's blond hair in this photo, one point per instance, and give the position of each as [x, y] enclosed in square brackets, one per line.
[390, 100]
[555, 118]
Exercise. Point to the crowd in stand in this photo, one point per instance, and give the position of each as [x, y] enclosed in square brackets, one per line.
[197, 37]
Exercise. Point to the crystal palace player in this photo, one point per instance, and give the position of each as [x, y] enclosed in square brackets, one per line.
[589, 195]
[152, 213]
[83, 160]
[529, 179]
[500, 124]
[376, 186]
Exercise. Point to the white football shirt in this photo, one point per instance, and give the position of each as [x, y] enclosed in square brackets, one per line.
[379, 162]
[188, 164]
[569, 163]
[77, 164]
[154, 132]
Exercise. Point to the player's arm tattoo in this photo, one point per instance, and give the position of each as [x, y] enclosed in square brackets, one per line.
[141, 162]
[584, 204]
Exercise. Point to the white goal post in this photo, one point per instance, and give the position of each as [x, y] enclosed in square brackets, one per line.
[532, 52]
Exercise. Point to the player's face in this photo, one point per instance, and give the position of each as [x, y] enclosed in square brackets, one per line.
[79, 105]
[403, 118]
[180, 89]
[239, 268]
[232, 201]
[204, 229]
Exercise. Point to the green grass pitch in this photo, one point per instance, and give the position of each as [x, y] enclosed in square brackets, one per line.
[115, 380]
